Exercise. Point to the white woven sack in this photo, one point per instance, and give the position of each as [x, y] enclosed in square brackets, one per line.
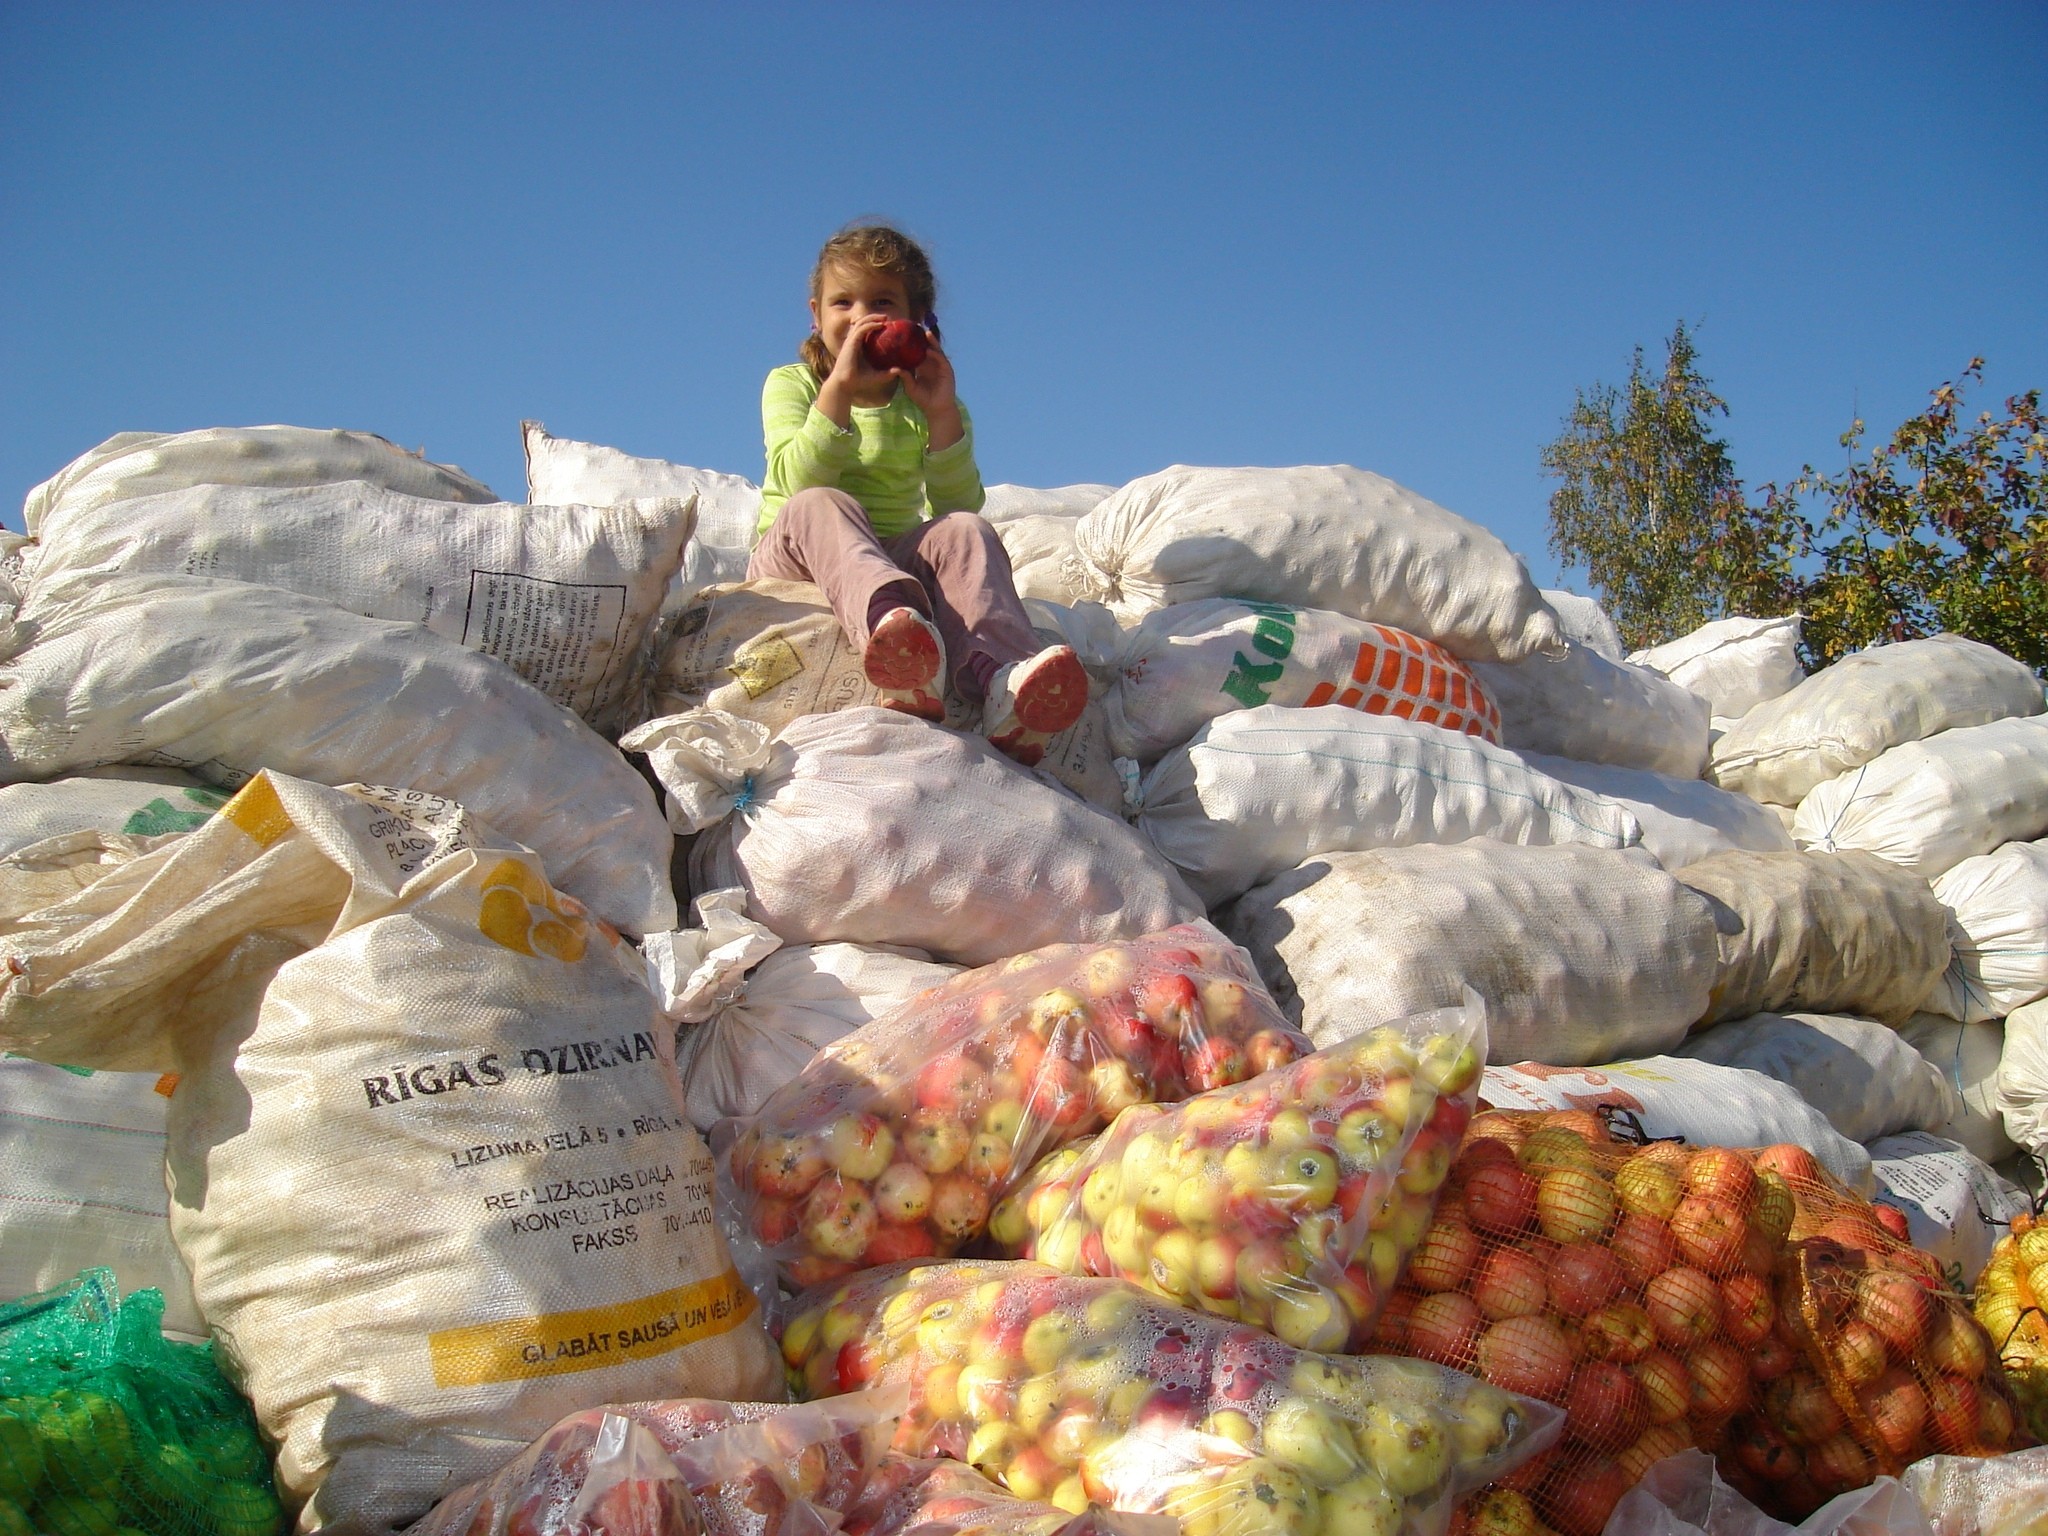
[428, 1159]
[1582, 954]
[563, 472]
[2023, 1077]
[234, 678]
[130, 802]
[563, 595]
[1956, 1206]
[1998, 922]
[1838, 933]
[873, 827]
[1183, 666]
[1704, 1104]
[1259, 790]
[1042, 560]
[753, 1013]
[82, 1183]
[1734, 664]
[1584, 621]
[1864, 705]
[1859, 1073]
[132, 464]
[1928, 805]
[772, 651]
[1317, 536]
[1581, 705]
[1967, 1055]
[1683, 820]
[1004, 502]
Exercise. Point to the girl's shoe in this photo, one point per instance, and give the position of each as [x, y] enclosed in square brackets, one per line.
[1031, 701]
[905, 658]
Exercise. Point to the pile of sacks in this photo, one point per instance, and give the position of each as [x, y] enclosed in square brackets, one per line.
[430, 958]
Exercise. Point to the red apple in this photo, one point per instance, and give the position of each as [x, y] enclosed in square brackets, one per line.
[1443, 1327]
[1665, 1384]
[1606, 1407]
[1579, 1501]
[1448, 1252]
[1620, 1331]
[1684, 1307]
[1710, 1231]
[1501, 1199]
[788, 1166]
[1722, 1173]
[1720, 1380]
[1526, 1354]
[1644, 1247]
[1897, 1307]
[1583, 1278]
[1511, 1283]
[1747, 1310]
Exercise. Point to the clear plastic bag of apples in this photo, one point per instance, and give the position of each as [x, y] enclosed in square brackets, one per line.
[1072, 1389]
[898, 1139]
[682, 1467]
[1669, 1296]
[696, 1468]
[1291, 1202]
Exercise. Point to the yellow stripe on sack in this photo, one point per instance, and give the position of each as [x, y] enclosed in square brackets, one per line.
[258, 812]
[521, 1348]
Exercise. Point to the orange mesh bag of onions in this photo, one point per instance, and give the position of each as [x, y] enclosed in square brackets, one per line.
[1668, 1296]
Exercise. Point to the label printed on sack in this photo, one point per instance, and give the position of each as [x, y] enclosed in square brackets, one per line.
[765, 664]
[545, 630]
[556, 1344]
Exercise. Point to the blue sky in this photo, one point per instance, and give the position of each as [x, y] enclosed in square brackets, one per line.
[1391, 236]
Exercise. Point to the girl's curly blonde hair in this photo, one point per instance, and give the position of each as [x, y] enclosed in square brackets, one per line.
[879, 248]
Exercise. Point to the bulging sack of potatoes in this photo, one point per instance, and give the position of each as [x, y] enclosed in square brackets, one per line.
[1830, 931]
[1581, 954]
[1320, 535]
[428, 1158]
[872, 827]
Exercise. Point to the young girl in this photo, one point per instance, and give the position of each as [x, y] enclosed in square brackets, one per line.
[872, 494]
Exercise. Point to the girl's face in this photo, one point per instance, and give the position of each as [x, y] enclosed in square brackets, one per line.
[852, 293]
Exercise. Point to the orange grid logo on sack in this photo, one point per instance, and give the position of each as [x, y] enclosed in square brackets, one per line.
[1413, 679]
[560, 1343]
[530, 917]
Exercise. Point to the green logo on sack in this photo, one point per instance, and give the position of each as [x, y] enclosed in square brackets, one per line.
[160, 817]
[1272, 635]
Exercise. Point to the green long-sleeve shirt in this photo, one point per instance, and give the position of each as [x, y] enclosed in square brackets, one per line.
[883, 460]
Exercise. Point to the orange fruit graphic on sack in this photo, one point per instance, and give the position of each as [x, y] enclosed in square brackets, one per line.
[524, 913]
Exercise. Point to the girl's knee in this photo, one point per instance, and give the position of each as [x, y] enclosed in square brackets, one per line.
[965, 529]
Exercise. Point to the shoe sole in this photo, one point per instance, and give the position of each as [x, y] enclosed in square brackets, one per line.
[1049, 693]
[902, 657]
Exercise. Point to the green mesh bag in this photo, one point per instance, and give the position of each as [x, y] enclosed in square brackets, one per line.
[107, 1428]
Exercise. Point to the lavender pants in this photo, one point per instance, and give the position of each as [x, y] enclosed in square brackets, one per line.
[955, 562]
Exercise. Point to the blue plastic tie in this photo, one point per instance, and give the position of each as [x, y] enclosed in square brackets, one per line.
[745, 797]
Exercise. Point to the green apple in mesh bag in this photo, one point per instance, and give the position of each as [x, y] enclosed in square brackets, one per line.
[21, 1460]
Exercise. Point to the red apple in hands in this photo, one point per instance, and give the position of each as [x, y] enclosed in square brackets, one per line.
[896, 344]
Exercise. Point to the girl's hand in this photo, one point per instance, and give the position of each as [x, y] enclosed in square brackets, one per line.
[931, 390]
[852, 374]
